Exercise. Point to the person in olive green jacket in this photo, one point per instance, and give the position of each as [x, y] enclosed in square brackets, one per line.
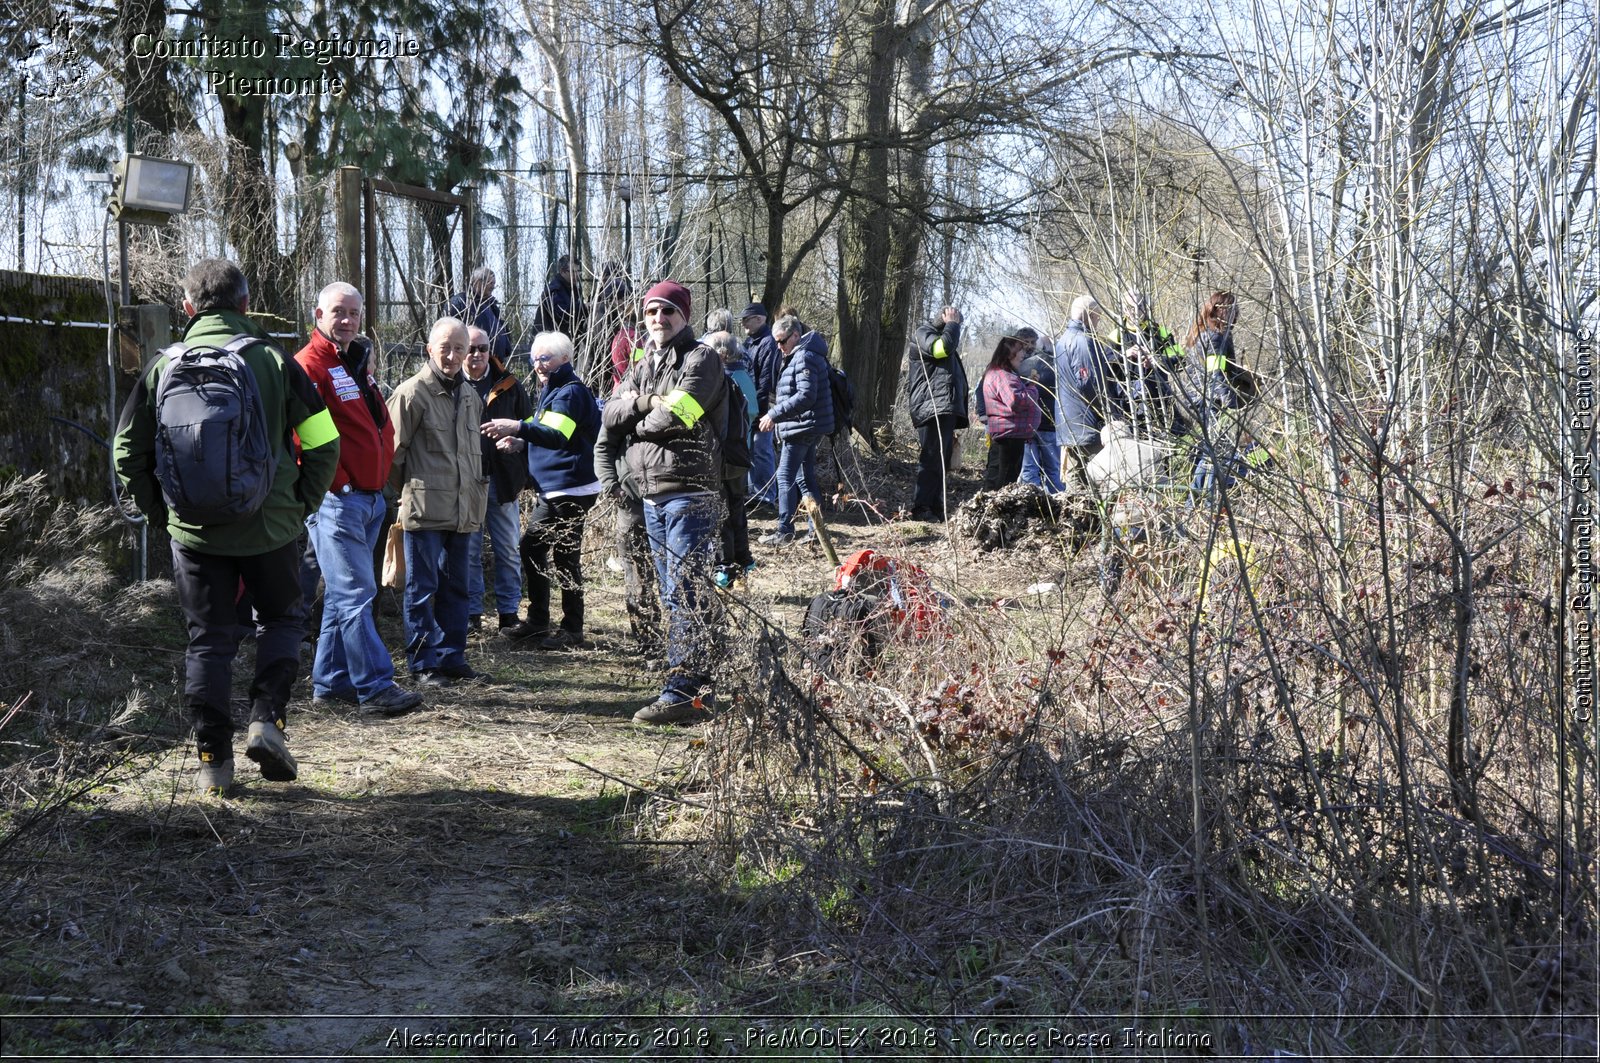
[260, 552]
[438, 473]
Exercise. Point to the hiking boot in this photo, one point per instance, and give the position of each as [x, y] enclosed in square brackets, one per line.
[725, 576]
[270, 750]
[215, 776]
[675, 708]
[333, 700]
[527, 629]
[464, 673]
[392, 702]
[432, 678]
[475, 622]
[508, 621]
[777, 538]
[561, 639]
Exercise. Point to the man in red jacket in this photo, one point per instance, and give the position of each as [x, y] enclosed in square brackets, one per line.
[352, 664]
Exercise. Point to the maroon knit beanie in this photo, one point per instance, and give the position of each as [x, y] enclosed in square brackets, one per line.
[669, 292]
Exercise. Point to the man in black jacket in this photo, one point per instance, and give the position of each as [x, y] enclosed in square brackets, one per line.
[560, 307]
[766, 361]
[936, 395]
[478, 306]
[503, 396]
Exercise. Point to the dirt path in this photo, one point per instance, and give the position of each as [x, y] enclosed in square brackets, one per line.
[452, 862]
[471, 859]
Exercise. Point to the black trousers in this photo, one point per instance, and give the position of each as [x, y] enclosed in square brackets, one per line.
[735, 548]
[209, 589]
[555, 527]
[937, 439]
[1005, 462]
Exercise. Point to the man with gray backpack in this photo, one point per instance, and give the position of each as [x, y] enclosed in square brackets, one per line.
[206, 446]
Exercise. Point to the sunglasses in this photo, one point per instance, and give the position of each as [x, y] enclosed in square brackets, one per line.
[482, 348]
[662, 309]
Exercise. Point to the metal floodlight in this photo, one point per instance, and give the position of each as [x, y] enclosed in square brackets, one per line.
[148, 191]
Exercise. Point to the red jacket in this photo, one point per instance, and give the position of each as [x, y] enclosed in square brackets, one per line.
[366, 434]
[624, 349]
[1012, 405]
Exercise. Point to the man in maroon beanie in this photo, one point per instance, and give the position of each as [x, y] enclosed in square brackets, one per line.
[669, 411]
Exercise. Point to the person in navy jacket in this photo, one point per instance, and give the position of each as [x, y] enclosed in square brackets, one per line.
[560, 437]
[800, 415]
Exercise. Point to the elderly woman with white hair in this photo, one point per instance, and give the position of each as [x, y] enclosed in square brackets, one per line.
[1086, 393]
[560, 437]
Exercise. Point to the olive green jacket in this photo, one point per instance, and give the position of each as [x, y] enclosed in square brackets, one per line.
[296, 419]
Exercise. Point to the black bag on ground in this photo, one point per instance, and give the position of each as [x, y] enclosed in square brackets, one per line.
[846, 629]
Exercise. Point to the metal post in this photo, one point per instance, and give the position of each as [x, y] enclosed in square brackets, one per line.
[469, 231]
[22, 173]
[122, 263]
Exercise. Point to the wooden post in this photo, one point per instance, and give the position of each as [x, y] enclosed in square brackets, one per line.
[349, 206]
[469, 233]
[369, 285]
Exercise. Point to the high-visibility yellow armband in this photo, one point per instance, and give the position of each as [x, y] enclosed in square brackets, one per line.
[1216, 363]
[316, 430]
[938, 348]
[684, 405]
[638, 353]
[560, 422]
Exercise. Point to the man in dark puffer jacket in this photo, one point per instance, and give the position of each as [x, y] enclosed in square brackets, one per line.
[936, 395]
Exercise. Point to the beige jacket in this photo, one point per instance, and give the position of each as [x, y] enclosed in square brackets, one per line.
[438, 461]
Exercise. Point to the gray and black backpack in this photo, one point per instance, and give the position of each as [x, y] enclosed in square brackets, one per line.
[214, 461]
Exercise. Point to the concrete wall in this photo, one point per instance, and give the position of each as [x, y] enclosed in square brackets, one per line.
[53, 383]
[53, 380]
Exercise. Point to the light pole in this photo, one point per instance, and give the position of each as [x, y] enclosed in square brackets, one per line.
[144, 191]
[625, 193]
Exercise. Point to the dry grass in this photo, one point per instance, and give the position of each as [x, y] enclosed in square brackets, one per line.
[1100, 809]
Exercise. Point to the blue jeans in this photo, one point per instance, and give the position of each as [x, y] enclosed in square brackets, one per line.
[1041, 462]
[502, 524]
[763, 467]
[797, 473]
[683, 538]
[436, 599]
[351, 658]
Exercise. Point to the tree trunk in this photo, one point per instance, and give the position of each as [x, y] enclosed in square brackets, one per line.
[865, 240]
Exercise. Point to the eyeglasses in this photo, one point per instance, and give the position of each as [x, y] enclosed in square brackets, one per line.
[662, 309]
[482, 348]
[547, 357]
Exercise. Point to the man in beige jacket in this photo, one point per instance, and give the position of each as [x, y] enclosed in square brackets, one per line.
[439, 475]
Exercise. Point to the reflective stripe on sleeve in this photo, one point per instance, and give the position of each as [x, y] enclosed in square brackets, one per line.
[316, 430]
[1216, 363]
[559, 421]
[684, 405]
[938, 348]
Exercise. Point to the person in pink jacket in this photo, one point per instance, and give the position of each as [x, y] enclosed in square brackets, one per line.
[1012, 405]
